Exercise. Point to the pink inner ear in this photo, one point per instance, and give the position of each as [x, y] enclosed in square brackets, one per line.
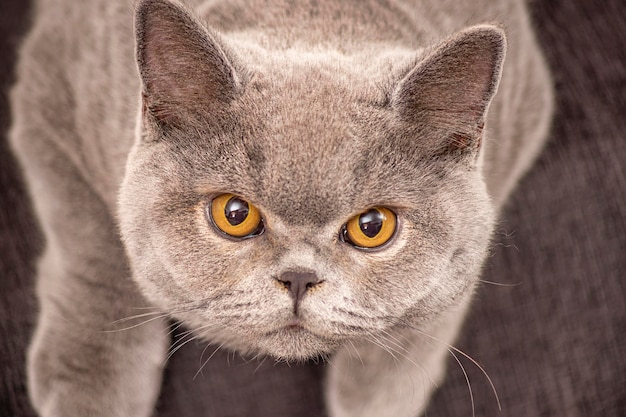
[459, 141]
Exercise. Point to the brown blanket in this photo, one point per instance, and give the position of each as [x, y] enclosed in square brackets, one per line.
[551, 332]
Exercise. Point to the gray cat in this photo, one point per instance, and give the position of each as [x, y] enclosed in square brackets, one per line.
[294, 179]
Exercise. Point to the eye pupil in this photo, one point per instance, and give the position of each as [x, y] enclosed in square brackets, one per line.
[236, 211]
[371, 223]
[235, 217]
[370, 229]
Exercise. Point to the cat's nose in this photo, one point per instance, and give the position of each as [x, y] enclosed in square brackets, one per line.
[298, 283]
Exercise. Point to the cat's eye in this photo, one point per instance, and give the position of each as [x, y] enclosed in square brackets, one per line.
[370, 229]
[235, 216]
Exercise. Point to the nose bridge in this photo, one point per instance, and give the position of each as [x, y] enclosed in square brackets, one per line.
[300, 248]
[298, 256]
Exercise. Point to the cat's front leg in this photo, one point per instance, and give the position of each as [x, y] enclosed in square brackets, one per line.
[392, 374]
[81, 363]
[87, 359]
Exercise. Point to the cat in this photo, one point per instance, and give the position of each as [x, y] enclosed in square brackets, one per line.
[293, 179]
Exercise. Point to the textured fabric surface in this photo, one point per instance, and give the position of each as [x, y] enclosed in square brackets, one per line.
[18, 236]
[550, 333]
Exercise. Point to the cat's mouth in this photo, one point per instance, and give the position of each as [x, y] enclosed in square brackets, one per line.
[295, 340]
[295, 325]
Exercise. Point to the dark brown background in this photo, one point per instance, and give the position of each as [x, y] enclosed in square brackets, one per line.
[554, 345]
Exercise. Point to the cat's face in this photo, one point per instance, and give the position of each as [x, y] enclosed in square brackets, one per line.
[310, 145]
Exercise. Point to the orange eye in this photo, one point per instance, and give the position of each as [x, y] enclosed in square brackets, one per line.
[235, 216]
[371, 229]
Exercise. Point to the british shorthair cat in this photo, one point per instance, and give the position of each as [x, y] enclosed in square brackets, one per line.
[286, 178]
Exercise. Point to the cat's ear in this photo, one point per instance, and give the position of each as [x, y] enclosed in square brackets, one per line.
[451, 88]
[183, 67]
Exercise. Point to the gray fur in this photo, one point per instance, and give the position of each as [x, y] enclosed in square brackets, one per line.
[313, 111]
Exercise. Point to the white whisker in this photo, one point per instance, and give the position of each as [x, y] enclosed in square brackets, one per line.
[175, 326]
[407, 355]
[259, 365]
[356, 351]
[138, 316]
[499, 284]
[386, 348]
[467, 381]
[493, 387]
[162, 316]
[208, 359]
[179, 344]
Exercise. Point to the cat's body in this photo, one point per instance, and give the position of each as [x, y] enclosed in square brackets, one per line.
[314, 112]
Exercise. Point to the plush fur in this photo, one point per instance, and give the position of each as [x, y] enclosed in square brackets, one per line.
[313, 112]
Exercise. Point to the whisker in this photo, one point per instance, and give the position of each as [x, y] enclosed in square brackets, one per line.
[386, 348]
[154, 314]
[407, 355]
[208, 359]
[138, 316]
[259, 365]
[468, 357]
[499, 284]
[507, 245]
[249, 360]
[163, 315]
[357, 354]
[175, 326]
[467, 381]
[179, 344]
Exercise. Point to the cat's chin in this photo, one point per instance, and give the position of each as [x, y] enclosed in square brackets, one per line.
[296, 344]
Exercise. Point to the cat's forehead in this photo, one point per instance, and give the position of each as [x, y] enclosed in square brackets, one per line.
[311, 141]
[311, 144]
[310, 119]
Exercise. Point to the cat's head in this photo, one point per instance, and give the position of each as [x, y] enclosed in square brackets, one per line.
[284, 202]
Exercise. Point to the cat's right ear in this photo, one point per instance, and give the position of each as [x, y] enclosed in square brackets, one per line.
[184, 70]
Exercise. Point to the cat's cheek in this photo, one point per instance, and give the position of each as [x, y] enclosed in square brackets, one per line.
[203, 261]
[357, 265]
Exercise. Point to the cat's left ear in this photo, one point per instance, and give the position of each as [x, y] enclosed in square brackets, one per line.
[449, 91]
[184, 68]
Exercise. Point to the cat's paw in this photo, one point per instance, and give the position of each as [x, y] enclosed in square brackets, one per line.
[88, 373]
